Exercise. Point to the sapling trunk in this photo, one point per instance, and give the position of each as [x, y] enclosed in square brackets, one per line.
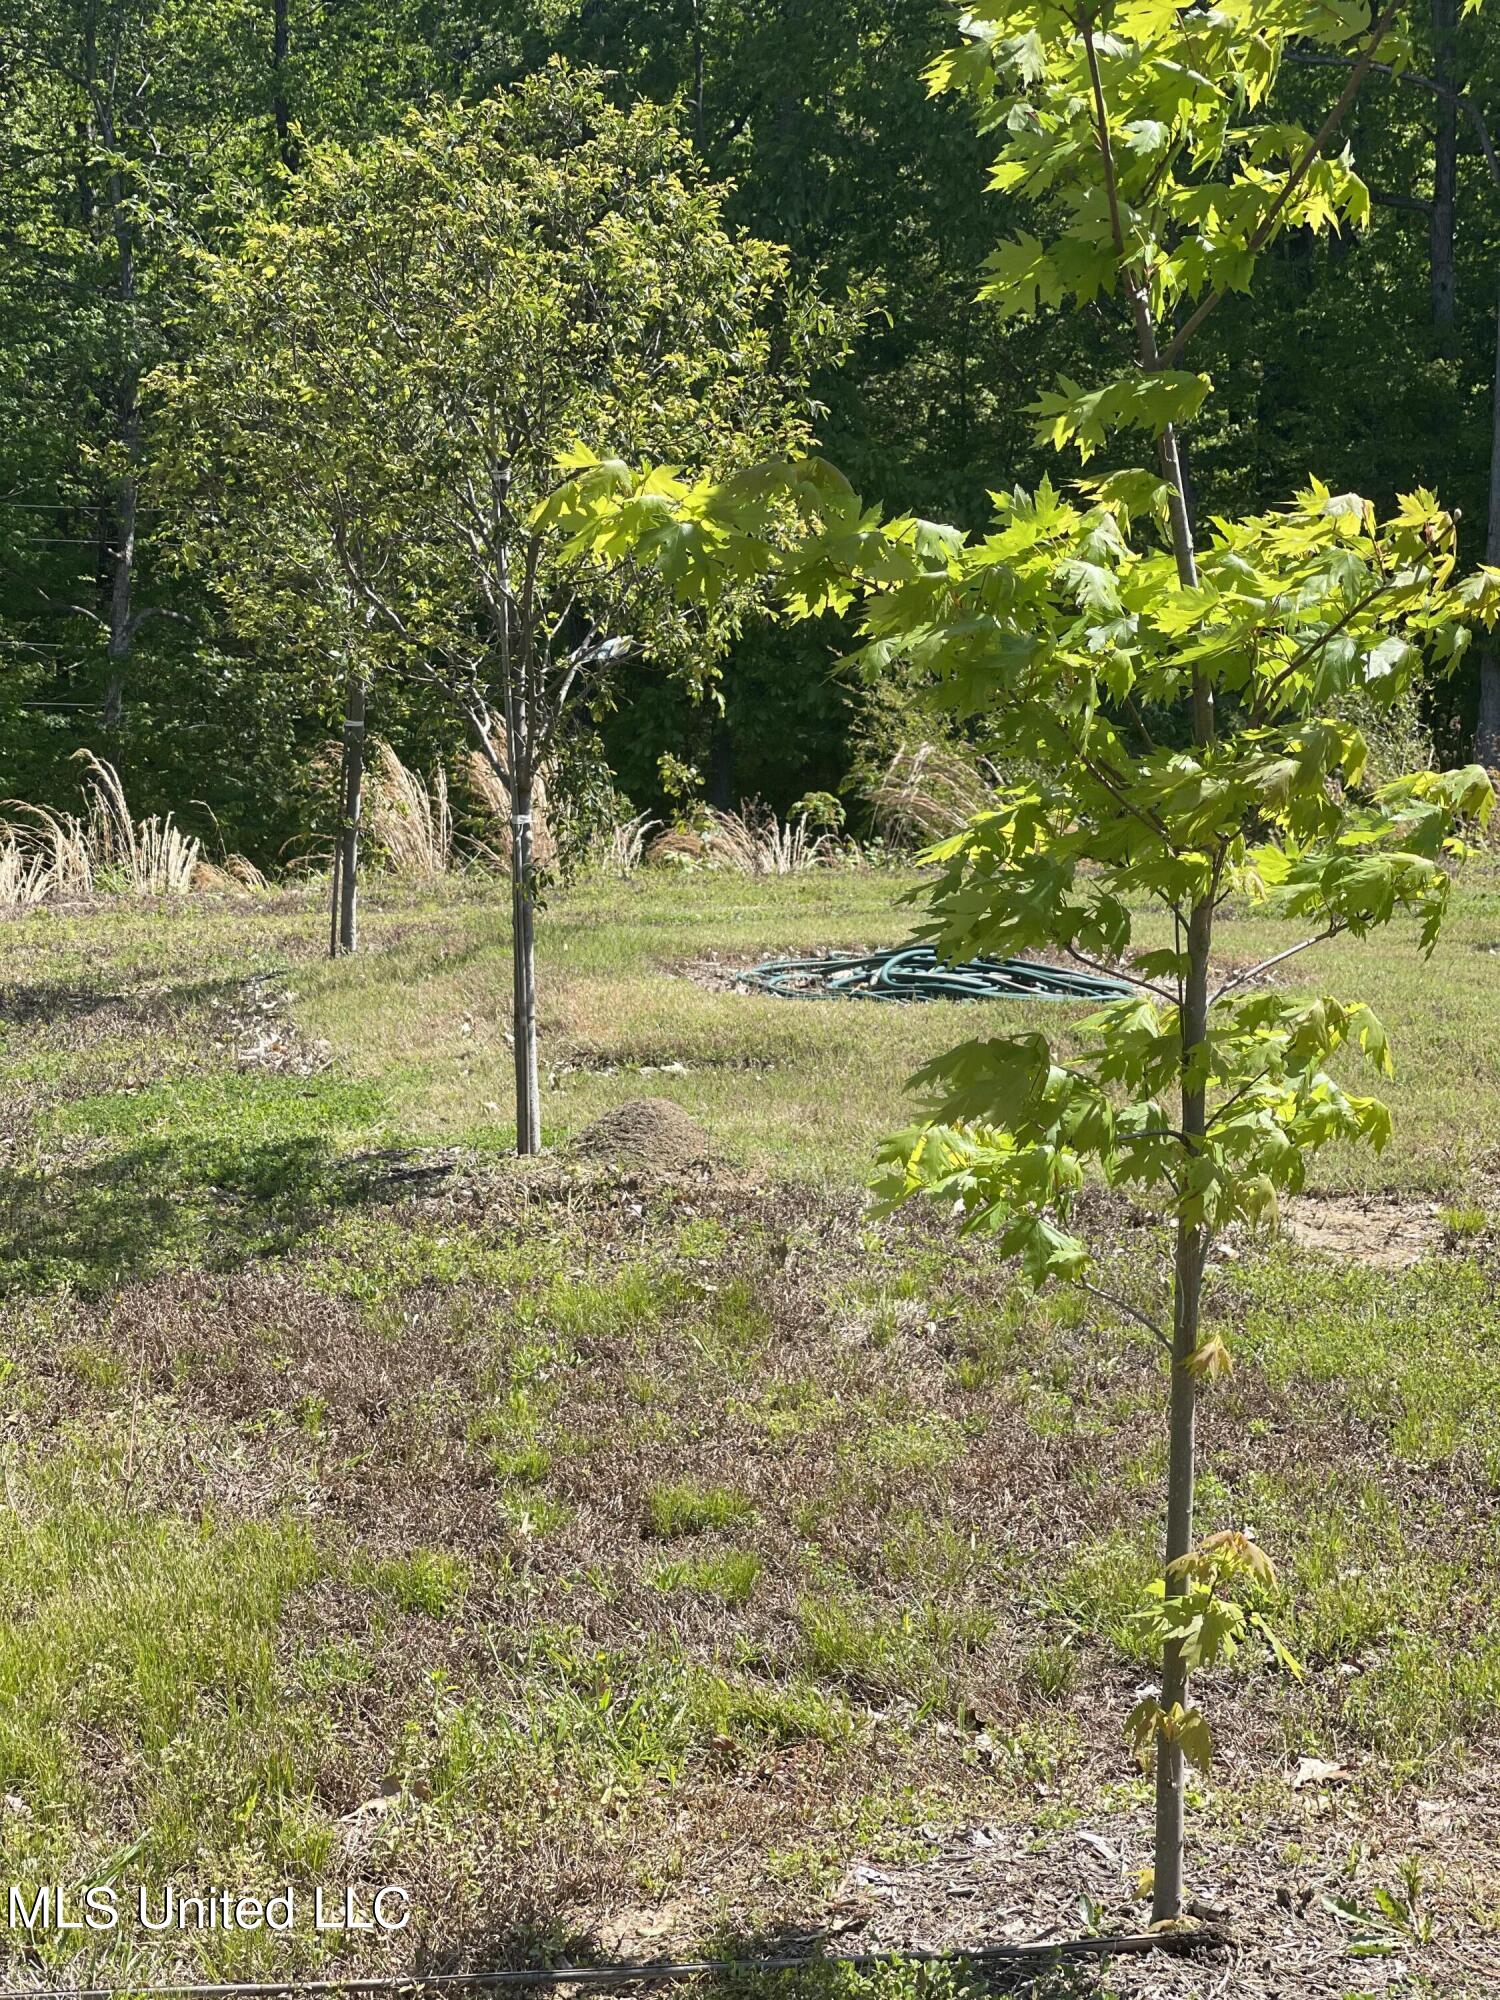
[1187, 1282]
[523, 934]
[1187, 1272]
[518, 685]
[345, 916]
[1187, 1298]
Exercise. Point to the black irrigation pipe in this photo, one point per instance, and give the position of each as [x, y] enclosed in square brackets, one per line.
[998, 1956]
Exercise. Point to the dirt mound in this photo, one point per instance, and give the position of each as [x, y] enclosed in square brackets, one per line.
[645, 1132]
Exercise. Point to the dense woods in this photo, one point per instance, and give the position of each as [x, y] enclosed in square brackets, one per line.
[143, 139]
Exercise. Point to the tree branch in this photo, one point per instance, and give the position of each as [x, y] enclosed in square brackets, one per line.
[1131, 1312]
[1140, 305]
[1315, 59]
[1407, 204]
[1315, 646]
[1119, 972]
[1258, 971]
[1264, 229]
[150, 611]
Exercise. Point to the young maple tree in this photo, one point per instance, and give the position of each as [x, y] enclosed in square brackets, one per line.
[390, 364]
[1178, 691]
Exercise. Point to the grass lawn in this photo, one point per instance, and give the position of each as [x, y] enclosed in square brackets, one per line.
[641, 1557]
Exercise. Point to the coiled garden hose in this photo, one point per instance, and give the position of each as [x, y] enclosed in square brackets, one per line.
[915, 972]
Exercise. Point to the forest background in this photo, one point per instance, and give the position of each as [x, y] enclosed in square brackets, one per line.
[137, 132]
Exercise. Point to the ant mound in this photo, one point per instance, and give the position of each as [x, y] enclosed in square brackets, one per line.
[645, 1132]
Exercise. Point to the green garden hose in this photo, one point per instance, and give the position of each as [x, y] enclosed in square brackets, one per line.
[915, 972]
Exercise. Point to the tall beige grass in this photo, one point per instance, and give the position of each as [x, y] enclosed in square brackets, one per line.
[234, 873]
[929, 791]
[410, 829]
[52, 859]
[48, 856]
[491, 791]
[752, 841]
[411, 823]
[23, 874]
[622, 849]
[148, 857]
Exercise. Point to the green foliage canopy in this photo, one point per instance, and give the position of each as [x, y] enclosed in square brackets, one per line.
[388, 366]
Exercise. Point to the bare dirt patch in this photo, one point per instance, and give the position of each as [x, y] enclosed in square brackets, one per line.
[1391, 1235]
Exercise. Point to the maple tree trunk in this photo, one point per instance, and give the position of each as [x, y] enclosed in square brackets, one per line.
[1187, 1301]
[1187, 1285]
[1187, 1276]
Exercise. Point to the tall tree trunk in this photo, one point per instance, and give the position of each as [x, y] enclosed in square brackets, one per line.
[121, 561]
[520, 682]
[345, 912]
[281, 42]
[1444, 170]
[721, 765]
[118, 516]
[1487, 734]
[523, 949]
[698, 132]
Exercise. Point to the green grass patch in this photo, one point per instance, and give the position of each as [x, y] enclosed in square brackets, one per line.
[1414, 1351]
[431, 1582]
[693, 1510]
[234, 1108]
[728, 1577]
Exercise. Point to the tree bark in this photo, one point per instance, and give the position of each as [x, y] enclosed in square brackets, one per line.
[121, 560]
[345, 914]
[1487, 733]
[1187, 1276]
[523, 729]
[1444, 171]
[698, 131]
[281, 42]
[523, 947]
[1191, 1247]
[118, 515]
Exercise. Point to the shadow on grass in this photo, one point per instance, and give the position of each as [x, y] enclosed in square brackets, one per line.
[49, 1001]
[769, 1962]
[168, 1203]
